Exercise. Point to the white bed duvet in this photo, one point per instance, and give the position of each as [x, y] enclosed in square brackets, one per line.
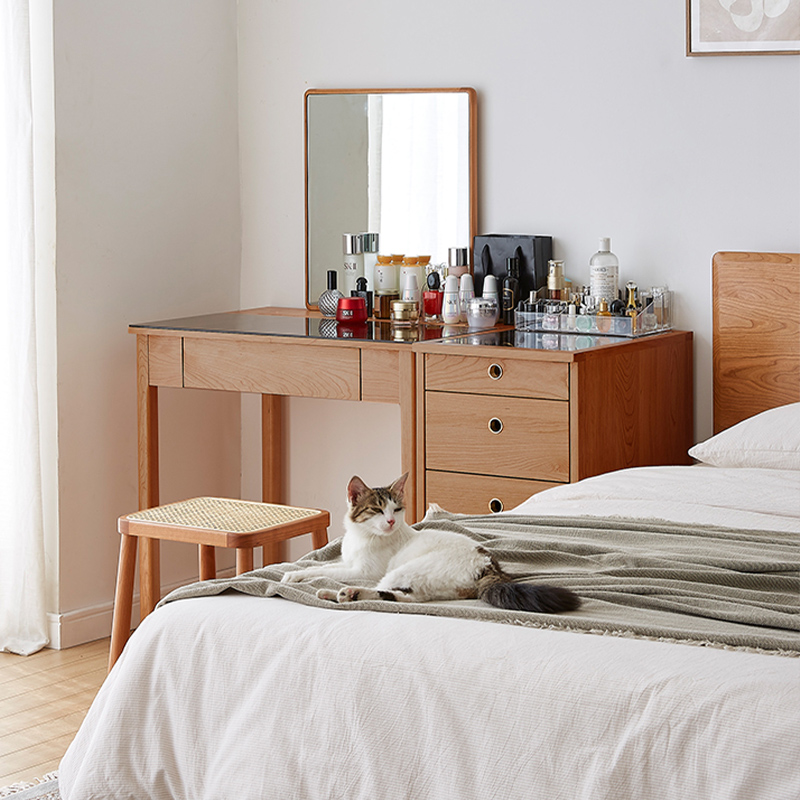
[236, 697]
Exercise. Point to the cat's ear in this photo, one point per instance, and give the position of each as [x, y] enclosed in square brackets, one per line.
[355, 489]
[398, 487]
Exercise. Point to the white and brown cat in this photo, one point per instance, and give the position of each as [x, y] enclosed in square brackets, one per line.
[417, 566]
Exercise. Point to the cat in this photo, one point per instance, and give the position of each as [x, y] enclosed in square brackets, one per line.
[418, 566]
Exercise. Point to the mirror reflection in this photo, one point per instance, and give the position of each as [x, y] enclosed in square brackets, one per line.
[400, 164]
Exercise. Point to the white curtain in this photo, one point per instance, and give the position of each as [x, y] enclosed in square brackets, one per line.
[23, 618]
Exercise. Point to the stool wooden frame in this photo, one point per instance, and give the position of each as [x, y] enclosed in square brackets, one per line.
[208, 522]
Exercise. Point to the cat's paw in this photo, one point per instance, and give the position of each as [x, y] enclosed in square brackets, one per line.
[348, 594]
[292, 577]
[328, 594]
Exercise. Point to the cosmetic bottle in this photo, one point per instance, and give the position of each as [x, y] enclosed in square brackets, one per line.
[458, 261]
[361, 291]
[353, 261]
[555, 280]
[466, 291]
[603, 317]
[604, 272]
[410, 266]
[329, 299]
[510, 290]
[432, 298]
[631, 306]
[451, 304]
[369, 244]
[386, 276]
[490, 288]
[410, 293]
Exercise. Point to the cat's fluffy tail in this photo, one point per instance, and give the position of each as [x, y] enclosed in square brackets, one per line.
[497, 589]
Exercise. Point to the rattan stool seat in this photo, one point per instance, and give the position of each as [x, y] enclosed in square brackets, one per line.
[208, 522]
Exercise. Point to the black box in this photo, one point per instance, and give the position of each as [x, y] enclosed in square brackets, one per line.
[533, 252]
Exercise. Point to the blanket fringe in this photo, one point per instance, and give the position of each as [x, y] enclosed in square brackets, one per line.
[669, 640]
[16, 788]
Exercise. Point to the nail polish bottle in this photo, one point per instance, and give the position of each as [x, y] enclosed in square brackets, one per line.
[432, 298]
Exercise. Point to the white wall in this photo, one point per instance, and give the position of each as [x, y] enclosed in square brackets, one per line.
[147, 228]
[592, 122]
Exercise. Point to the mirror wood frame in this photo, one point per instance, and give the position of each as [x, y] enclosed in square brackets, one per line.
[472, 98]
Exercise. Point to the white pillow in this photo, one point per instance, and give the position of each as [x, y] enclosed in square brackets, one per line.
[769, 440]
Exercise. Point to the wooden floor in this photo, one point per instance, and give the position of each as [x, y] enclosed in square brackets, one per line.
[43, 700]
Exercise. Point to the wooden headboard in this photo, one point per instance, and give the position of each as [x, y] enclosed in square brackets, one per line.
[756, 331]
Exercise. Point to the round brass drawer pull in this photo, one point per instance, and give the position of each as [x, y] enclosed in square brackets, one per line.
[495, 372]
[495, 425]
[495, 505]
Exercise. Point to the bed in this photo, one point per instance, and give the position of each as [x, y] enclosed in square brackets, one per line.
[236, 692]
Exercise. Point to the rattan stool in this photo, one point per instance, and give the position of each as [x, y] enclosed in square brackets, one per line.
[208, 522]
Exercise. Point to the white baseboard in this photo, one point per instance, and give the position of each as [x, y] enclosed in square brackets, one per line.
[94, 622]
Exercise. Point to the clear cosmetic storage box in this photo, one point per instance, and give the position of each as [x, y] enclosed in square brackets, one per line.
[655, 316]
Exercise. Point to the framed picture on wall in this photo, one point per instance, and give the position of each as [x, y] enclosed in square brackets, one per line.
[742, 27]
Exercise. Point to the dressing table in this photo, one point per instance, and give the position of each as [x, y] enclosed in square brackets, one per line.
[487, 418]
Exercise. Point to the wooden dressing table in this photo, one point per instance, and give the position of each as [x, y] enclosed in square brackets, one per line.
[566, 408]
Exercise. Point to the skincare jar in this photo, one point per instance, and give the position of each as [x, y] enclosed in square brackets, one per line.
[351, 310]
[405, 312]
[482, 312]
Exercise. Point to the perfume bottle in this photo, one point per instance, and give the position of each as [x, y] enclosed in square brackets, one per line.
[510, 290]
[604, 273]
[329, 300]
[604, 319]
[362, 291]
[353, 262]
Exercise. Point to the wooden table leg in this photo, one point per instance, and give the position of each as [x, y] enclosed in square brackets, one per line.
[408, 429]
[123, 599]
[319, 537]
[272, 464]
[147, 407]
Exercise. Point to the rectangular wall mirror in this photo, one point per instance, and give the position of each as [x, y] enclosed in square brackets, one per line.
[401, 163]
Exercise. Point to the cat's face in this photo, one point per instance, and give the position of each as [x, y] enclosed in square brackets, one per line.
[378, 511]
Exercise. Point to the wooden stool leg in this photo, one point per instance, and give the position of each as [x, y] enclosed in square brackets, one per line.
[272, 553]
[319, 538]
[208, 562]
[123, 600]
[244, 559]
[149, 575]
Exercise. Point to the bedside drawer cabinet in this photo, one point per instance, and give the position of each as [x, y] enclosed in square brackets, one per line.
[498, 424]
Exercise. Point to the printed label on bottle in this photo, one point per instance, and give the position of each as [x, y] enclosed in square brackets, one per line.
[508, 300]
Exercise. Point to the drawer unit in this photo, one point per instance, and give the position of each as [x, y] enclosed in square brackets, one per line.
[479, 494]
[501, 421]
[512, 377]
[515, 437]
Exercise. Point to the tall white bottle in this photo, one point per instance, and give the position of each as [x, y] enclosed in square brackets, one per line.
[604, 273]
[353, 262]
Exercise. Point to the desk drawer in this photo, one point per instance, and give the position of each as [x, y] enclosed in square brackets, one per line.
[272, 367]
[513, 377]
[478, 494]
[505, 436]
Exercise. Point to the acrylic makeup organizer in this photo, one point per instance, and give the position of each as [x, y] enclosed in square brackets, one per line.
[654, 317]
